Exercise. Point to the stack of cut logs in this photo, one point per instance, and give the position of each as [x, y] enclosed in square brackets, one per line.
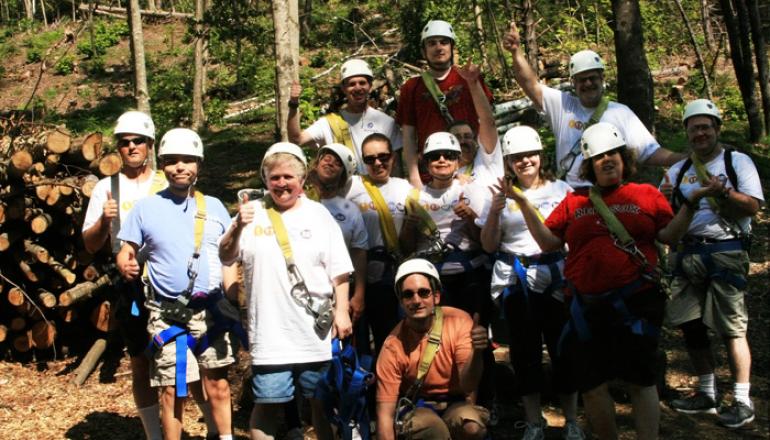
[47, 279]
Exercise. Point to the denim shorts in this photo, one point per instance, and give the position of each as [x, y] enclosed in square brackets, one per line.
[276, 383]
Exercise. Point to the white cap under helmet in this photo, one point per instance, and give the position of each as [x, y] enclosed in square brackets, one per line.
[284, 147]
[181, 141]
[355, 67]
[437, 28]
[345, 156]
[442, 141]
[600, 138]
[417, 265]
[702, 107]
[521, 139]
[135, 122]
[584, 60]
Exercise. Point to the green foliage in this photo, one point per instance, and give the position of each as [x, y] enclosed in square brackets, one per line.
[65, 65]
[38, 44]
[171, 92]
[94, 66]
[107, 33]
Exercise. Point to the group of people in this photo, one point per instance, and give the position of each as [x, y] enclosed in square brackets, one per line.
[412, 270]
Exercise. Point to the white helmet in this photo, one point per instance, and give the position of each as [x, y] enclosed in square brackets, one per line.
[417, 265]
[442, 140]
[135, 122]
[600, 138]
[584, 60]
[521, 139]
[182, 141]
[355, 67]
[701, 107]
[284, 147]
[437, 28]
[345, 156]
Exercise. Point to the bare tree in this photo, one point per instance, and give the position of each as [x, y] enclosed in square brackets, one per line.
[635, 89]
[480, 35]
[286, 25]
[695, 46]
[705, 20]
[141, 94]
[760, 54]
[530, 35]
[199, 79]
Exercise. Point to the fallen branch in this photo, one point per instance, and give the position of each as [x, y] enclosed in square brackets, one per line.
[121, 12]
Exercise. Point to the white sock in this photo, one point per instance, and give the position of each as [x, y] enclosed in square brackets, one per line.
[150, 417]
[211, 427]
[225, 437]
[707, 384]
[741, 391]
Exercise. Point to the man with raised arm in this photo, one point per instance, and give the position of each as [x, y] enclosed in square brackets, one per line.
[569, 115]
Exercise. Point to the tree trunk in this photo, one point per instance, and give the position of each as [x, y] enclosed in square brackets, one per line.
[760, 53]
[141, 94]
[89, 362]
[28, 11]
[695, 46]
[635, 90]
[480, 35]
[307, 19]
[199, 79]
[705, 20]
[286, 24]
[740, 53]
[530, 35]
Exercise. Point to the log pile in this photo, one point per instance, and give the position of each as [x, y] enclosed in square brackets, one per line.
[47, 280]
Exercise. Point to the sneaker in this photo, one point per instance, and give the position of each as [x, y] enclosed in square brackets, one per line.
[699, 402]
[736, 415]
[534, 431]
[572, 431]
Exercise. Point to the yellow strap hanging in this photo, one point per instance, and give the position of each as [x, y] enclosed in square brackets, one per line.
[469, 169]
[279, 229]
[704, 177]
[341, 131]
[434, 341]
[387, 225]
[427, 225]
[159, 182]
[537, 211]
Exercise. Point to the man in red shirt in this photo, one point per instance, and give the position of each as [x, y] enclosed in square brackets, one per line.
[418, 112]
[438, 406]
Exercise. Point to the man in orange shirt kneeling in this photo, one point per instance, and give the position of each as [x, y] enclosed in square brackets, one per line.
[429, 365]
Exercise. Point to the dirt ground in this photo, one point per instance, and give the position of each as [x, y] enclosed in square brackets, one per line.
[38, 401]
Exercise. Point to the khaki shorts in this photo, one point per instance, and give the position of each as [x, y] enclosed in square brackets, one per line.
[426, 424]
[695, 295]
[220, 353]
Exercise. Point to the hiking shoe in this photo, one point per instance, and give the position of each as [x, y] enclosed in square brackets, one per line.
[736, 415]
[494, 415]
[534, 431]
[698, 403]
[572, 431]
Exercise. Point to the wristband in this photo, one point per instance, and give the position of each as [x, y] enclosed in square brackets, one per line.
[293, 103]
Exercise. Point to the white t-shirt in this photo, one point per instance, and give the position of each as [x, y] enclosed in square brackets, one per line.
[568, 118]
[705, 222]
[394, 191]
[487, 168]
[516, 238]
[361, 125]
[351, 223]
[280, 330]
[130, 192]
[440, 204]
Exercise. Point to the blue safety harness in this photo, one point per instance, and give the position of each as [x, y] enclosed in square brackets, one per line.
[617, 298]
[520, 263]
[343, 390]
[705, 248]
[184, 340]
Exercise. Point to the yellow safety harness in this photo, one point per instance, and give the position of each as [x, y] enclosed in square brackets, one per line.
[387, 225]
[341, 131]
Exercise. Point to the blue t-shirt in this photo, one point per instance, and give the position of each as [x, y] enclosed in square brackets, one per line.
[165, 224]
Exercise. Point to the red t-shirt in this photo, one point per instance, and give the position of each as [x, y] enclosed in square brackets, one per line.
[417, 108]
[402, 351]
[594, 264]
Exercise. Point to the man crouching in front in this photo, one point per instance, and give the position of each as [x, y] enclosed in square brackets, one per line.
[429, 365]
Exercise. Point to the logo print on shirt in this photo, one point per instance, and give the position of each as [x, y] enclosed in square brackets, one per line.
[306, 234]
[340, 217]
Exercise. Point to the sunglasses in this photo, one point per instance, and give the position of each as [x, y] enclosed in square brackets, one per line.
[141, 140]
[382, 157]
[436, 155]
[422, 293]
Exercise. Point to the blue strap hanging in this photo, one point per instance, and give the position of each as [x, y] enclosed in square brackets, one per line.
[184, 340]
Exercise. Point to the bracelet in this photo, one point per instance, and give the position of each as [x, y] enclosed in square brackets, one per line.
[293, 103]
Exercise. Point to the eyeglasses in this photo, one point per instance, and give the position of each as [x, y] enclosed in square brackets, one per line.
[698, 128]
[382, 157]
[436, 155]
[589, 78]
[422, 293]
[141, 140]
